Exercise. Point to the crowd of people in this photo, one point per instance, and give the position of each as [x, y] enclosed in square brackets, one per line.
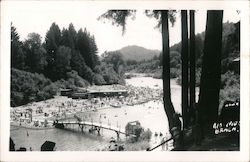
[43, 113]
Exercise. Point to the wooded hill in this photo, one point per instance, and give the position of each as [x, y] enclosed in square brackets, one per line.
[66, 59]
[137, 53]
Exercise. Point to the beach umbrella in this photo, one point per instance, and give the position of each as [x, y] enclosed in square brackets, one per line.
[48, 146]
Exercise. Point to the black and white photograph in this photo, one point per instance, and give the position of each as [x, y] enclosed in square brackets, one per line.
[101, 77]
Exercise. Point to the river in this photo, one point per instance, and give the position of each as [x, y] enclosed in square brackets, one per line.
[151, 115]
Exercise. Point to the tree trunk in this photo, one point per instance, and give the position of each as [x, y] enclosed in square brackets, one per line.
[211, 70]
[184, 67]
[192, 64]
[168, 106]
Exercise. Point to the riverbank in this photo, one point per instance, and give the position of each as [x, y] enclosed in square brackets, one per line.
[148, 110]
[43, 113]
[17, 125]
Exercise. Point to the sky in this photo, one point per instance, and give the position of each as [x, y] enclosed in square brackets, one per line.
[37, 17]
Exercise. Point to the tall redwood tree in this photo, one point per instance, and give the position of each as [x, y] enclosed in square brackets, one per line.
[211, 69]
[192, 62]
[184, 67]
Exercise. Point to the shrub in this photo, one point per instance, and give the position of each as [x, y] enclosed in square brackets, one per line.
[175, 72]
[74, 79]
[158, 74]
[17, 98]
[98, 79]
[230, 87]
[28, 87]
[108, 73]
[229, 79]
[146, 135]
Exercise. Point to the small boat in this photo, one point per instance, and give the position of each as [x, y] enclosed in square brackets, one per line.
[116, 106]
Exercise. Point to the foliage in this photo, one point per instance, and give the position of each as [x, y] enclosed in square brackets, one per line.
[157, 15]
[28, 87]
[118, 17]
[62, 52]
[231, 45]
[175, 72]
[17, 54]
[61, 63]
[86, 45]
[98, 79]
[68, 37]
[108, 73]
[230, 87]
[131, 62]
[35, 53]
[78, 63]
[151, 66]
[67, 57]
[76, 79]
[229, 79]
[52, 39]
[146, 135]
[115, 59]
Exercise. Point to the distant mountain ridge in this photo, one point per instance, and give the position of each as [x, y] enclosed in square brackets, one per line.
[138, 53]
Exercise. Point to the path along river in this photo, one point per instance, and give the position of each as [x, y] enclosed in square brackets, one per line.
[151, 115]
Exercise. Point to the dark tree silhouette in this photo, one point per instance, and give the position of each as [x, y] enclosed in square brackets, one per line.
[168, 105]
[77, 62]
[85, 43]
[62, 63]
[68, 38]
[52, 39]
[192, 62]
[17, 53]
[36, 55]
[52, 42]
[184, 56]
[211, 69]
